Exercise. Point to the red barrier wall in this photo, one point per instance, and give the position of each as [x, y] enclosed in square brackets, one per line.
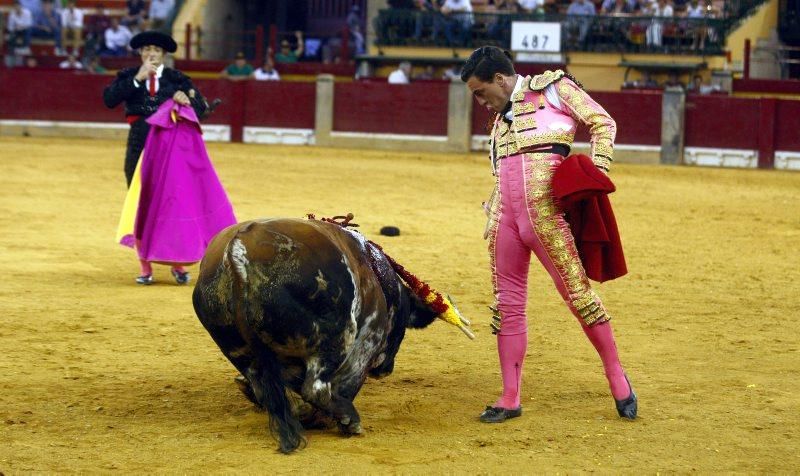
[765, 125]
[54, 96]
[278, 104]
[787, 126]
[714, 121]
[395, 108]
[638, 117]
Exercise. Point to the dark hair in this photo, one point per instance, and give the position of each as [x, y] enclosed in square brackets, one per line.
[484, 62]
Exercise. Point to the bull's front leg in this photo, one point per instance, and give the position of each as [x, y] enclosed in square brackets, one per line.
[322, 389]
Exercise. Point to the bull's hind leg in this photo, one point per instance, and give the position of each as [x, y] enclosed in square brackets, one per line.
[318, 390]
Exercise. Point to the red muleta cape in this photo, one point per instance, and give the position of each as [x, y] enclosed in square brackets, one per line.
[582, 192]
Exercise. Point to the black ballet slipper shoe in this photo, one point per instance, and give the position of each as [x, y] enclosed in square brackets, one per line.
[498, 414]
[145, 279]
[180, 278]
[628, 407]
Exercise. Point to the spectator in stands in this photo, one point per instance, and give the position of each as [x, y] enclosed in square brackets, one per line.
[136, 15]
[647, 81]
[673, 80]
[583, 8]
[402, 75]
[267, 72]
[160, 10]
[117, 38]
[452, 73]
[658, 10]
[72, 27]
[354, 26]
[286, 54]
[33, 6]
[500, 28]
[239, 70]
[20, 27]
[95, 67]
[457, 21]
[70, 63]
[698, 86]
[617, 7]
[427, 15]
[94, 28]
[427, 73]
[551, 7]
[31, 62]
[47, 25]
[697, 13]
[530, 7]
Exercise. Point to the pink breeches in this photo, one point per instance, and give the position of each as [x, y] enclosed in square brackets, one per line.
[528, 220]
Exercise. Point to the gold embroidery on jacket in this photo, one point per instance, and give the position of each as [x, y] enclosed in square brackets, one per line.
[522, 108]
[602, 127]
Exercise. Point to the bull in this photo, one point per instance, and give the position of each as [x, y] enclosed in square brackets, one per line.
[310, 306]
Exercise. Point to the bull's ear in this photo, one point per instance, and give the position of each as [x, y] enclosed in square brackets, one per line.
[421, 314]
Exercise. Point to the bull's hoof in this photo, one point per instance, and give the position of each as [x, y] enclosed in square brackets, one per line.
[246, 389]
[312, 418]
[351, 428]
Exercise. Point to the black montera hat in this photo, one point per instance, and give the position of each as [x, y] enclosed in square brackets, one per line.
[155, 38]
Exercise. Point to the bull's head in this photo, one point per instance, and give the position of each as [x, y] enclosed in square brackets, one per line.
[412, 312]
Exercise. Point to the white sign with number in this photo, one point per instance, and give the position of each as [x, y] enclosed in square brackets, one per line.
[536, 37]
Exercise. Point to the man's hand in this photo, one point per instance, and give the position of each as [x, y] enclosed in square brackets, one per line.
[147, 69]
[181, 98]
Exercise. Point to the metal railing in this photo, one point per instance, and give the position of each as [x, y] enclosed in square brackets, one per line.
[618, 33]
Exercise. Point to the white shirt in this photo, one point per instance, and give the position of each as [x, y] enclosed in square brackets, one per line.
[118, 39]
[659, 12]
[72, 18]
[698, 12]
[262, 75]
[398, 77]
[160, 9]
[159, 72]
[67, 65]
[530, 4]
[458, 5]
[20, 21]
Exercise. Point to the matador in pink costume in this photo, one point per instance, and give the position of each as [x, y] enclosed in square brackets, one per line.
[532, 134]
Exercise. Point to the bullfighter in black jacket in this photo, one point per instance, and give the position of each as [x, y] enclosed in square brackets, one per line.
[144, 89]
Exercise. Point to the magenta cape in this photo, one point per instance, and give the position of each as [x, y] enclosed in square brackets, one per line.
[182, 204]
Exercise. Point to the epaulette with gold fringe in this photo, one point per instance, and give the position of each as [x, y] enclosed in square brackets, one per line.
[541, 81]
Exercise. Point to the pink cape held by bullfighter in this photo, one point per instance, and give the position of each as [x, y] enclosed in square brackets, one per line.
[176, 203]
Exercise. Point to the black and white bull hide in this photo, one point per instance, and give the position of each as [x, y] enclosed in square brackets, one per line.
[305, 305]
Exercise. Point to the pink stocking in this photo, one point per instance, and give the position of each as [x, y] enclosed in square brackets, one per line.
[512, 354]
[602, 338]
[147, 269]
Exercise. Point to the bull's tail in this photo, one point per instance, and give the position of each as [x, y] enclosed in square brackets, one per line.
[270, 391]
[264, 374]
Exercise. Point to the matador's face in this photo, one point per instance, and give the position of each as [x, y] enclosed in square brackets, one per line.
[494, 94]
[152, 54]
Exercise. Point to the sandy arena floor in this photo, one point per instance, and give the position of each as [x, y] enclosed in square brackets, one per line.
[99, 374]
